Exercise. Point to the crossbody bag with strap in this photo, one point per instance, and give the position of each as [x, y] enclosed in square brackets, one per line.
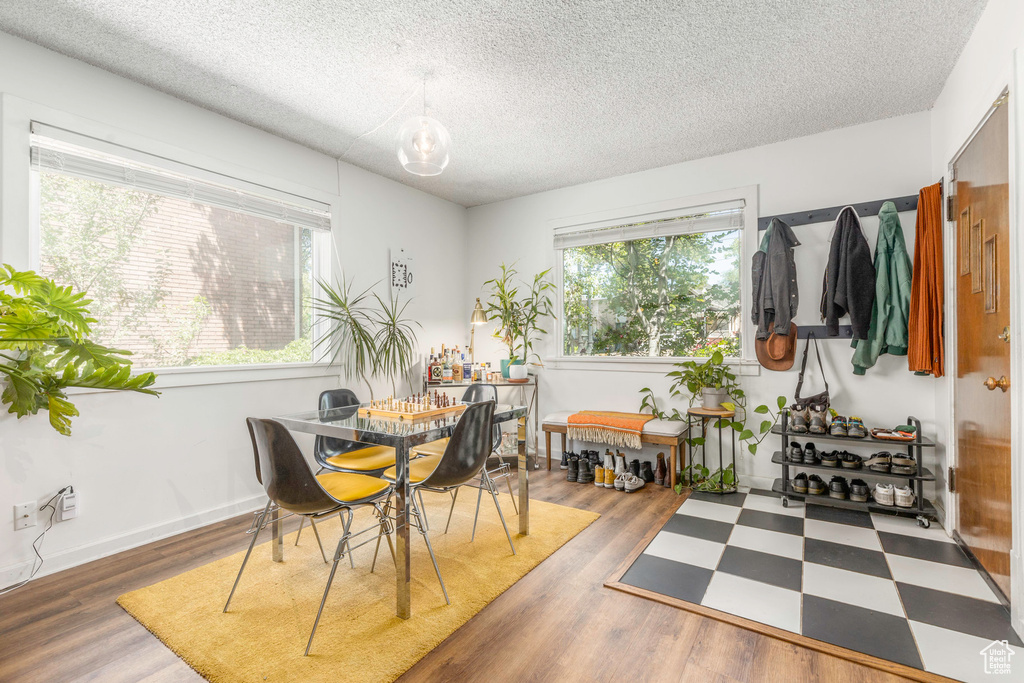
[817, 399]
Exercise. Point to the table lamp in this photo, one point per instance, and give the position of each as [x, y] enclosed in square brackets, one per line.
[478, 318]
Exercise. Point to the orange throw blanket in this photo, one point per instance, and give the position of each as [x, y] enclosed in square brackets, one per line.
[609, 427]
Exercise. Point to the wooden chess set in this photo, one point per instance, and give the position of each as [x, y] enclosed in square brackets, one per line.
[416, 407]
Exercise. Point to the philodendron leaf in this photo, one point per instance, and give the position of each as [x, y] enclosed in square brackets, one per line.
[728, 405]
[61, 411]
[746, 434]
[761, 410]
[752, 447]
[765, 425]
[782, 402]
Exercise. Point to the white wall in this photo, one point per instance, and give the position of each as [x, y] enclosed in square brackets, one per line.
[149, 467]
[878, 160]
[984, 69]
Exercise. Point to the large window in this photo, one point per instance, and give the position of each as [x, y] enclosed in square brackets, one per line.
[661, 288]
[181, 271]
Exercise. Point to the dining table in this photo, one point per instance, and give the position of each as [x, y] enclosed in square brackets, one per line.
[403, 435]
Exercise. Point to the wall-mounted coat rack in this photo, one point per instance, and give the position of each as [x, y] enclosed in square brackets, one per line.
[829, 215]
[845, 332]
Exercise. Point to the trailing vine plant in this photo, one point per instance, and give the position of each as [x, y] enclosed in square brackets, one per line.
[688, 381]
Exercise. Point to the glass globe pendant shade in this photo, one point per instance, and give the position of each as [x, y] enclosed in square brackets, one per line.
[423, 146]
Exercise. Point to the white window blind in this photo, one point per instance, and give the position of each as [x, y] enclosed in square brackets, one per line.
[56, 150]
[714, 217]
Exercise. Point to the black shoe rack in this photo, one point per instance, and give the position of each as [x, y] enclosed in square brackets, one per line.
[924, 511]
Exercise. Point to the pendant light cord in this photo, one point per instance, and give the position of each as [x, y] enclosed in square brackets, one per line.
[388, 119]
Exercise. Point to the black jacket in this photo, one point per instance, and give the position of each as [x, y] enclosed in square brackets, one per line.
[849, 282]
[774, 279]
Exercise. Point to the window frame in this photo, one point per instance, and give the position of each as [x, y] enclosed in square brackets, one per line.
[19, 226]
[746, 361]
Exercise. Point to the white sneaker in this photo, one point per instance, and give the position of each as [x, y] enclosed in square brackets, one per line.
[632, 482]
[884, 494]
[905, 497]
[620, 480]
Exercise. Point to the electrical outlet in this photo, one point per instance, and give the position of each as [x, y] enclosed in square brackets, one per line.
[67, 507]
[25, 515]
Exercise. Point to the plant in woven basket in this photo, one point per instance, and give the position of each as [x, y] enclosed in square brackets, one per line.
[688, 381]
[45, 349]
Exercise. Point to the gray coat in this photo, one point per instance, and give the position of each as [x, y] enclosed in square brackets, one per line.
[774, 279]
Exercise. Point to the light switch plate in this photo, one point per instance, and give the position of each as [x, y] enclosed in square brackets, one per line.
[24, 515]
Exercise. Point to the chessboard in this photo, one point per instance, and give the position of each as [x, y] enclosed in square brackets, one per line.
[418, 407]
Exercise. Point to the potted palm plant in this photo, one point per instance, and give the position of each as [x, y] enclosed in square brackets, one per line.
[519, 316]
[368, 335]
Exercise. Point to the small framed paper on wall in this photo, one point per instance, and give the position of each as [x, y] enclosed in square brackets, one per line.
[400, 271]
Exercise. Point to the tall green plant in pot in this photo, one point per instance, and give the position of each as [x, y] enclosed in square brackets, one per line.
[693, 380]
[368, 335]
[519, 316]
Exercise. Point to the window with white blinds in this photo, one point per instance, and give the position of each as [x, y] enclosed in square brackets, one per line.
[652, 286]
[185, 267]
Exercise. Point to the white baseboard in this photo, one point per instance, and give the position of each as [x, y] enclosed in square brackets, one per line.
[72, 557]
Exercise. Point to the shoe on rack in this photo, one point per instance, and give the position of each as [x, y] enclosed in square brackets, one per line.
[859, 491]
[815, 485]
[660, 471]
[564, 465]
[609, 461]
[838, 426]
[830, 459]
[609, 478]
[905, 497]
[799, 418]
[903, 465]
[620, 464]
[573, 472]
[799, 483]
[818, 421]
[634, 467]
[620, 480]
[646, 473]
[855, 428]
[598, 475]
[884, 494]
[586, 475]
[838, 488]
[851, 461]
[632, 483]
[795, 453]
[810, 454]
[880, 462]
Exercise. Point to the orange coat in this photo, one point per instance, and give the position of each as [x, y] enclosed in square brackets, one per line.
[926, 351]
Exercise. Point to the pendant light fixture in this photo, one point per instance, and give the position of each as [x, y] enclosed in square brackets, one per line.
[423, 143]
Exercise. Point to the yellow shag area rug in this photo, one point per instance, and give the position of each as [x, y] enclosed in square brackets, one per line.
[263, 635]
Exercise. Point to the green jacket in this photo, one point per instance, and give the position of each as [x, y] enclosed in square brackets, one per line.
[891, 311]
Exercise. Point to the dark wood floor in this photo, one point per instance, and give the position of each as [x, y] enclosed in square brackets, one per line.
[556, 624]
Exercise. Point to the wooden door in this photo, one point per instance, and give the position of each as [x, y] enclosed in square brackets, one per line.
[981, 396]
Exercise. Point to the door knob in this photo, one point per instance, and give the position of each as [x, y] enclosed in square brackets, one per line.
[1005, 335]
[1002, 383]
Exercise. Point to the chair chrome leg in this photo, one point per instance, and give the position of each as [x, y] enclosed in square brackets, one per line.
[422, 509]
[508, 482]
[316, 533]
[430, 549]
[327, 588]
[384, 530]
[302, 521]
[479, 496]
[252, 543]
[455, 494]
[347, 525]
[494, 495]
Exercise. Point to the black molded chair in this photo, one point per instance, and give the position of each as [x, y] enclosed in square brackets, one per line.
[293, 487]
[463, 459]
[342, 455]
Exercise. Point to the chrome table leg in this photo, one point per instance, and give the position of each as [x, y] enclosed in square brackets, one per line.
[524, 489]
[403, 550]
[277, 542]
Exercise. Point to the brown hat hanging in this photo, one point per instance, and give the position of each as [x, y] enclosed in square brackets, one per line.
[778, 350]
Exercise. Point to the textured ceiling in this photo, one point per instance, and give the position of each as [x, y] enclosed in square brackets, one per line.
[536, 95]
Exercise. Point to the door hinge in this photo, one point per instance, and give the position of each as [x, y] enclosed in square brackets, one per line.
[950, 207]
[951, 479]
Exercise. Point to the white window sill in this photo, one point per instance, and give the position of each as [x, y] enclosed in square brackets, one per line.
[170, 378]
[742, 366]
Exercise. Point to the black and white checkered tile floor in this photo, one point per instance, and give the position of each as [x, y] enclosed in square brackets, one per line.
[873, 583]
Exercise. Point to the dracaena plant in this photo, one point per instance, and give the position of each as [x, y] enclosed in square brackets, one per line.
[45, 349]
[367, 334]
[519, 315]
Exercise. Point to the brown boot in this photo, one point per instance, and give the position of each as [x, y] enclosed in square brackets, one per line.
[660, 471]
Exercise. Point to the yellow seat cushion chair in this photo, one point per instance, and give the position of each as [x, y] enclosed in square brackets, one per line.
[430, 448]
[369, 459]
[351, 488]
[419, 469]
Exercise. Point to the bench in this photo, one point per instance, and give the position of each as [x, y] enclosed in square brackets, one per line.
[671, 433]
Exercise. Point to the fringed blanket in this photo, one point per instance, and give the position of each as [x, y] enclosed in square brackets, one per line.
[608, 427]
